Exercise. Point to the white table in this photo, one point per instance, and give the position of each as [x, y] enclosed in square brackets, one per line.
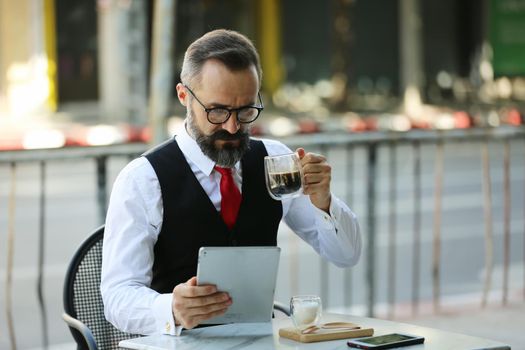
[263, 336]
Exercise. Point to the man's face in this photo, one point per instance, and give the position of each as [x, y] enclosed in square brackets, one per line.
[224, 143]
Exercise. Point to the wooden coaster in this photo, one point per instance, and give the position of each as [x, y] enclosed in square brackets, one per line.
[324, 334]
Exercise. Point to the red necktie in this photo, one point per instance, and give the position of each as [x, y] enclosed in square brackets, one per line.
[231, 197]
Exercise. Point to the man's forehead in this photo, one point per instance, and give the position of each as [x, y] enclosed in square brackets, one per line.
[213, 69]
[219, 64]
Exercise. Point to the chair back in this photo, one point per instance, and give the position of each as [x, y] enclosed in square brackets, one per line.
[82, 299]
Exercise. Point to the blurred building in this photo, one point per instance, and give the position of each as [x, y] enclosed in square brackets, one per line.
[27, 56]
[57, 52]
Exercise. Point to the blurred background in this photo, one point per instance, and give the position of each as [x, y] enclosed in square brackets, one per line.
[418, 104]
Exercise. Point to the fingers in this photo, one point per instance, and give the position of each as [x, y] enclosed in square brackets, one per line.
[190, 289]
[207, 300]
[210, 308]
[317, 168]
[313, 181]
[190, 317]
[192, 304]
[316, 171]
[195, 320]
[317, 175]
[317, 185]
[300, 152]
[193, 307]
[307, 158]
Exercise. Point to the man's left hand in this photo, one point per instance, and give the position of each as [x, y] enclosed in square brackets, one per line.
[317, 176]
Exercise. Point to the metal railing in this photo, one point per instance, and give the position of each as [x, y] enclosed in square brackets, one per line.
[371, 143]
[365, 148]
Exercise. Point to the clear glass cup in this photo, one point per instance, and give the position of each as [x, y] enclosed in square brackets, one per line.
[305, 310]
[284, 176]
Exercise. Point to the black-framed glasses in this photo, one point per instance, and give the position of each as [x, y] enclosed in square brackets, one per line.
[219, 115]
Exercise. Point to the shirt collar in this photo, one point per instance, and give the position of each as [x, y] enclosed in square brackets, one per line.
[193, 152]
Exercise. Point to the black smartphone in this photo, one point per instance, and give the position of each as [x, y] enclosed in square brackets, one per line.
[386, 341]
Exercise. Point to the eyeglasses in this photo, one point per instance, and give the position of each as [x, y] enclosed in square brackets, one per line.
[219, 115]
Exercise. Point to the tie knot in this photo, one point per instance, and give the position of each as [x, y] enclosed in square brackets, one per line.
[223, 171]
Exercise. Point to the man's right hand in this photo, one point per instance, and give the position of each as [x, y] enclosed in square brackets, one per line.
[194, 304]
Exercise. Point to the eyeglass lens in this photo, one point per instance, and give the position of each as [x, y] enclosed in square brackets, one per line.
[220, 115]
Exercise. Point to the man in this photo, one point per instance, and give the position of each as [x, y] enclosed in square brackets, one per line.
[178, 197]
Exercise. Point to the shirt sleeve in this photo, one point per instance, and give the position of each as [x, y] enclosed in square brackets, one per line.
[335, 235]
[132, 225]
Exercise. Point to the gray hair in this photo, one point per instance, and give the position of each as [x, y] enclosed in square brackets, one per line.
[231, 48]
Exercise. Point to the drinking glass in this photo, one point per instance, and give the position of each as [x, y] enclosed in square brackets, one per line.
[305, 310]
[284, 176]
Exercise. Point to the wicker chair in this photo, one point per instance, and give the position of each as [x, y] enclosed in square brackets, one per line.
[84, 310]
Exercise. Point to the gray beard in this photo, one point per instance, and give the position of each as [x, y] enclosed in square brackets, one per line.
[228, 155]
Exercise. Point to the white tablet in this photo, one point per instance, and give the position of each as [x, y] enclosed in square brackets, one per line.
[248, 274]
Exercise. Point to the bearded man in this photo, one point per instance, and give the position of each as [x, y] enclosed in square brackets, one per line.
[166, 204]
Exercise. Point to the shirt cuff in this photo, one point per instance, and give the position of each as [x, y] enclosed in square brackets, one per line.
[328, 221]
[164, 315]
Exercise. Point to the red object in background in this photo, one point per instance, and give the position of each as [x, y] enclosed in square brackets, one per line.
[145, 135]
[420, 124]
[11, 140]
[462, 120]
[138, 133]
[371, 123]
[76, 135]
[513, 117]
[8, 145]
[356, 125]
[308, 126]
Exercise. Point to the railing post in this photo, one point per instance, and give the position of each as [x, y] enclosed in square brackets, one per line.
[371, 229]
[347, 299]
[416, 249]
[506, 220]
[436, 241]
[325, 272]
[102, 188]
[10, 259]
[392, 223]
[41, 255]
[487, 218]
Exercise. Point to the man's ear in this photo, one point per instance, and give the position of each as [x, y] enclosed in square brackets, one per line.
[182, 94]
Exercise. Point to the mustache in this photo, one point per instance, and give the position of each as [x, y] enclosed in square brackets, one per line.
[226, 136]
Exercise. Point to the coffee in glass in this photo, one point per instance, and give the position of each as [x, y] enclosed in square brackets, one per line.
[283, 176]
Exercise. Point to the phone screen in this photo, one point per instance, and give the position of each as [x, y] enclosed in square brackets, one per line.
[385, 339]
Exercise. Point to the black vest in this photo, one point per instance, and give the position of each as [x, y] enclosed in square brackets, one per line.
[191, 221]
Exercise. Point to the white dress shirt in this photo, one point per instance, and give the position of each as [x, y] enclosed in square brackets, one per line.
[134, 221]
